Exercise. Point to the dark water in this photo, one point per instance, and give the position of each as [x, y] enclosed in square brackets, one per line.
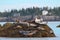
[50, 24]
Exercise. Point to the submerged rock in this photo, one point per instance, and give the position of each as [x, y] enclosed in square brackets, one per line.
[22, 30]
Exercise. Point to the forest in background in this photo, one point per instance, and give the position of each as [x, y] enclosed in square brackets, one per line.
[31, 11]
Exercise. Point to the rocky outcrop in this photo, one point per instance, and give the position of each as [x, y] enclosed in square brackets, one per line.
[21, 30]
[58, 26]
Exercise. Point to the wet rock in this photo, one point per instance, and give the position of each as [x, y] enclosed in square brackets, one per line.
[58, 26]
[21, 30]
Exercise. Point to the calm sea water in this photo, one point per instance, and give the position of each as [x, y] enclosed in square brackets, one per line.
[52, 25]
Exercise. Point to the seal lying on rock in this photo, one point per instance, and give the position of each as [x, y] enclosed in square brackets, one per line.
[23, 30]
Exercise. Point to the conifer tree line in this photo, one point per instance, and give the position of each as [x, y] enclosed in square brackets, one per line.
[31, 11]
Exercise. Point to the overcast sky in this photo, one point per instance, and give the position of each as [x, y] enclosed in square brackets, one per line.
[18, 4]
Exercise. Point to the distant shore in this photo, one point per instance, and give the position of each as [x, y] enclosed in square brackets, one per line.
[29, 17]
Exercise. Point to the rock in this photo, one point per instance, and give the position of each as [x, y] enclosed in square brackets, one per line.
[34, 30]
[58, 26]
